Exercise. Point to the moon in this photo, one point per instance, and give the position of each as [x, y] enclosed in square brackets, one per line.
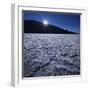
[45, 22]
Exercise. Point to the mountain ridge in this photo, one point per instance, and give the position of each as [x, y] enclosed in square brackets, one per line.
[32, 26]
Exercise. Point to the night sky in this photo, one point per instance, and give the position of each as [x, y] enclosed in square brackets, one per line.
[70, 22]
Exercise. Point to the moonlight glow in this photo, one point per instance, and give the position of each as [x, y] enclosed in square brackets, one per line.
[45, 22]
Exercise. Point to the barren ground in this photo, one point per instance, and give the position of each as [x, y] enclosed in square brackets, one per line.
[51, 54]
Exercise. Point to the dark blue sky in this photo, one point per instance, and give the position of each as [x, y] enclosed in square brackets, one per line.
[66, 21]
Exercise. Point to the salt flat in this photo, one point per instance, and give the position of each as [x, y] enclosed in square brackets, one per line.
[51, 54]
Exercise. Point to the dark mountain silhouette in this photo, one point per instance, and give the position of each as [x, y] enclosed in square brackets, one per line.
[31, 26]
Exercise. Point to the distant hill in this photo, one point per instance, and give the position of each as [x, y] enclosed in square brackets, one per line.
[31, 26]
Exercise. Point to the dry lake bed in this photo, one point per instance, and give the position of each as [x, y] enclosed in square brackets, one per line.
[51, 54]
